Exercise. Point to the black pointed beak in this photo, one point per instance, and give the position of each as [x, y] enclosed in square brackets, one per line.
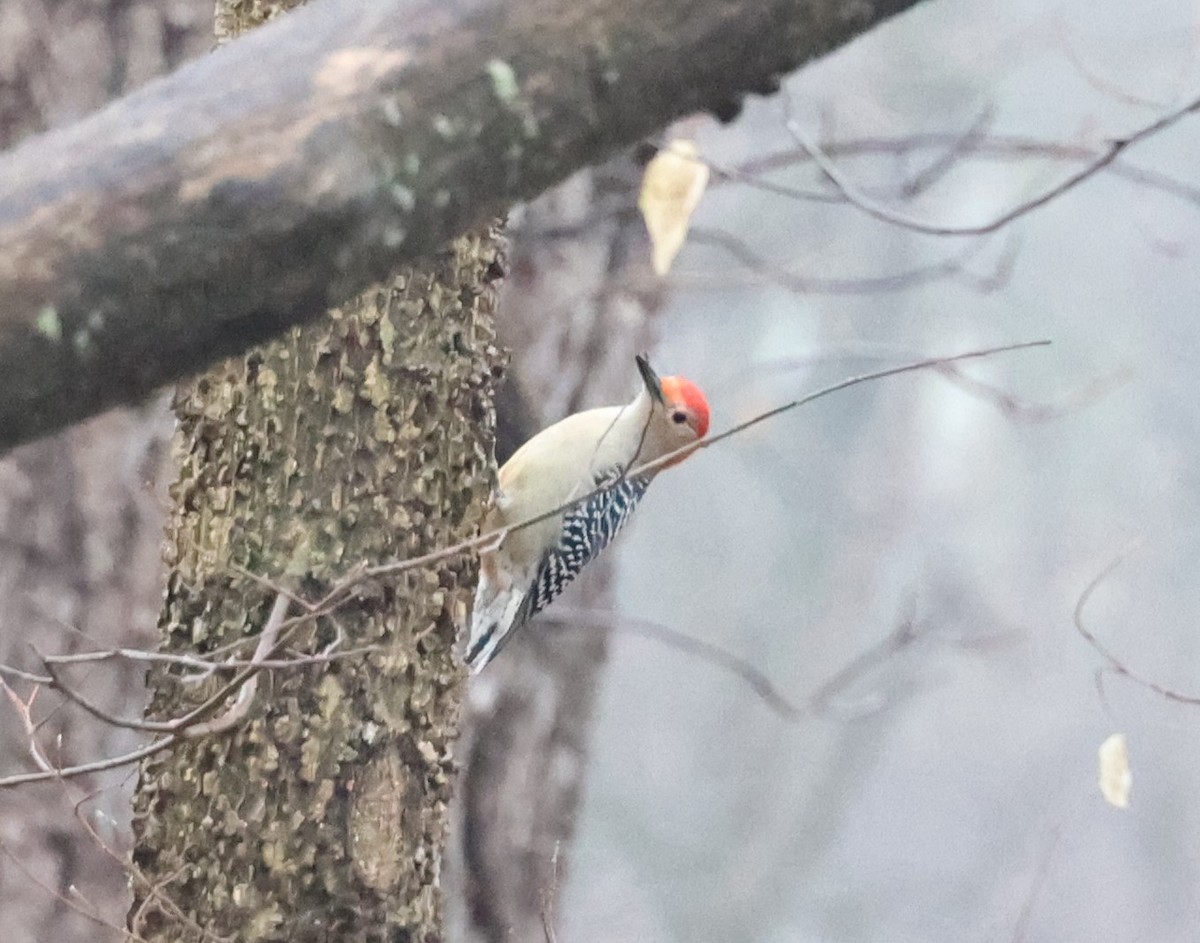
[650, 378]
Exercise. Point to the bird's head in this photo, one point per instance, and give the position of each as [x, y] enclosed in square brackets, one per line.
[680, 412]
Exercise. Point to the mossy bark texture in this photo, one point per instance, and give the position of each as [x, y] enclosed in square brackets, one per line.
[366, 437]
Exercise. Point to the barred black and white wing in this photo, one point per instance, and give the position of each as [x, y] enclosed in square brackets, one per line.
[587, 529]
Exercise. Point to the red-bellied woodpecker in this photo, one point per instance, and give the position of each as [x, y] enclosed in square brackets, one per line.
[596, 449]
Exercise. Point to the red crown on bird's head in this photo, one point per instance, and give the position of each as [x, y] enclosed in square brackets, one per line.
[683, 392]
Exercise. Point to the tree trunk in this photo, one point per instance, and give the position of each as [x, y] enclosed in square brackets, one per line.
[361, 439]
[364, 439]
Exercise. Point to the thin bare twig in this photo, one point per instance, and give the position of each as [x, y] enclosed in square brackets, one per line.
[885, 214]
[63, 898]
[190, 725]
[1022, 410]
[154, 889]
[157, 896]
[1013, 407]
[708, 652]
[729, 174]
[950, 267]
[245, 696]
[1106, 86]
[202, 663]
[901, 637]
[801, 283]
[957, 145]
[993, 147]
[205, 661]
[472, 543]
[24, 710]
[819, 703]
[1112, 662]
[29, 676]
[96, 766]
[936, 170]
[1035, 886]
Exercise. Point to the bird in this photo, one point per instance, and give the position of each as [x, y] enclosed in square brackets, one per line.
[595, 453]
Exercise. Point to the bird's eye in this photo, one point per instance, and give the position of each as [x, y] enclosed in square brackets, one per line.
[678, 416]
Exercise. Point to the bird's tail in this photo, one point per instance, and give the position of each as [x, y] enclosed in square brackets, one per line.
[497, 614]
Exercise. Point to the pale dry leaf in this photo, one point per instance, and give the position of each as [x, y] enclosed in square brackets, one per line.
[1115, 776]
[672, 186]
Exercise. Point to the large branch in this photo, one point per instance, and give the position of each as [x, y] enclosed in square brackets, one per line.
[268, 181]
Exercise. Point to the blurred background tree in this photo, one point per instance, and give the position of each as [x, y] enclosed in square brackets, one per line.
[82, 513]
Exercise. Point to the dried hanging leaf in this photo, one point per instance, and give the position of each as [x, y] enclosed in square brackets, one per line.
[1115, 777]
[672, 186]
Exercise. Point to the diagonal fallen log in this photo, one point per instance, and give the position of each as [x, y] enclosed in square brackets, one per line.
[270, 180]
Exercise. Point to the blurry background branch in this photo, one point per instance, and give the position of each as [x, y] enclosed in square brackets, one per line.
[1090, 168]
[194, 218]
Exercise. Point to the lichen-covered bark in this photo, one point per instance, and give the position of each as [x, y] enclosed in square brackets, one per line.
[366, 437]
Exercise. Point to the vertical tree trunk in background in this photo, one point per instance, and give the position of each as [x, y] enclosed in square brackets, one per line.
[65, 58]
[574, 334]
[80, 518]
[366, 437]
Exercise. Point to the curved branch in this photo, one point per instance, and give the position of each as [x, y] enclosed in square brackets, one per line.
[880, 211]
[1113, 663]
